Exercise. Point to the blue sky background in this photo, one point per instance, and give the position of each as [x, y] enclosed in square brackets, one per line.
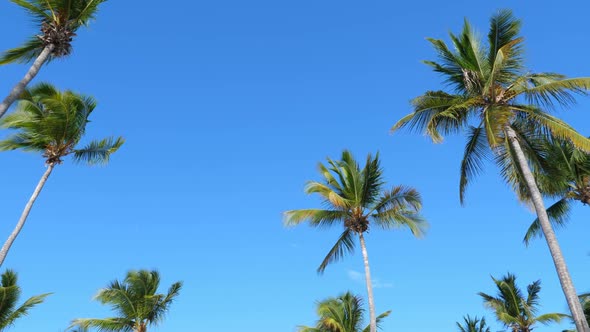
[227, 107]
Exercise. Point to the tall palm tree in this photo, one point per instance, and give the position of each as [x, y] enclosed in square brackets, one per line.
[341, 314]
[136, 302]
[52, 123]
[354, 199]
[58, 21]
[564, 175]
[9, 296]
[473, 325]
[514, 310]
[492, 97]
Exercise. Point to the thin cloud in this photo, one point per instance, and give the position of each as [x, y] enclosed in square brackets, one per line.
[360, 278]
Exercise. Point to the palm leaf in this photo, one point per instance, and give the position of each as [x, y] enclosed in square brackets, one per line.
[558, 214]
[344, 245]
[98, 152]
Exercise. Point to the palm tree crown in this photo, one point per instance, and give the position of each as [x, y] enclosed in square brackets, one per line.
[58, 21]
[53, 123]
[473, 325]
[135, 301]
[490, 85]
[9, 295]
[341, 314]
[355, 199]
[513, 309]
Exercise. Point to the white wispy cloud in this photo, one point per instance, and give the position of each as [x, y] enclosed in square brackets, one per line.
[360, 278]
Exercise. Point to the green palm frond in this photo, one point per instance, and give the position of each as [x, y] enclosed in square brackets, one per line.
[98, 152]
[23, 54]
[344, 245]
[558, 214]
[316, 217]
[114, 324]
[9, 296]
[474, 324]
[504, 29]
[473, 158]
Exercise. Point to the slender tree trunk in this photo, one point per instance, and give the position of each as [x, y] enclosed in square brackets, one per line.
[562, 271]
[373, 323]
[20, 86]
[24, 215]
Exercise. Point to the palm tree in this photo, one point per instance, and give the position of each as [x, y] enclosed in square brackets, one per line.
[354, 198]
[341, 314]
[9, 296]
[473, 325]
[58, 21]
[516, 312]
[52, 123]
[135, 301]
[493, 96]
[565, 175]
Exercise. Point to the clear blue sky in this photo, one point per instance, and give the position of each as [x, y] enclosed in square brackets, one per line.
[227, 106]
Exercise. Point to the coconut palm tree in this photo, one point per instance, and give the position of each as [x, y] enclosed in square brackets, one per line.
[355, 200]
[52, 123]
[9, 296]
[58, 21]
[135, 301]
[341, 314]
[565, 176]
[492, 96]
[514, 310]
[473, 325]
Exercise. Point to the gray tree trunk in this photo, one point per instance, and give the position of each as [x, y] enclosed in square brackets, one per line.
[373, 322]
[560, 265]
[24, 215]
[18, 89]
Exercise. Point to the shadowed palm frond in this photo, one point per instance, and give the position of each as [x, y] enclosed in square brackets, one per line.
[343, 246]
[98, 152]
[558, 214]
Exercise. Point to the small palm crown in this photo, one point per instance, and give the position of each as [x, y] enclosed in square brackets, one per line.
[53, 122]
[58, 20]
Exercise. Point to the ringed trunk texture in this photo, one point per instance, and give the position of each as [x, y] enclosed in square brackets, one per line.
[24, 215]
[558, 259]
[31, 73]
[373, 322]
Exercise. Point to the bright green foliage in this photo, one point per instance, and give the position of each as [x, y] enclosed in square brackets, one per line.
[135, 301]
[58, 21]
[354, 199]
[564, 173]
[490, 91]
[514, 310]
[473, 325]
[53, 123]
[9, 295]
[341, 314]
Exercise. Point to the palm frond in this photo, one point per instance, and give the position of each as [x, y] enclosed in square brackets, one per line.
[474, 156]
[23, 54]
[316, 217]
[344, 245]
[558, 214]
[98, 152]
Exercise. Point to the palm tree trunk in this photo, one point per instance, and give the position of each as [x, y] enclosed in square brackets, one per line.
[373, 322]
[537, 200]
[25, 214]
[20, 86]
